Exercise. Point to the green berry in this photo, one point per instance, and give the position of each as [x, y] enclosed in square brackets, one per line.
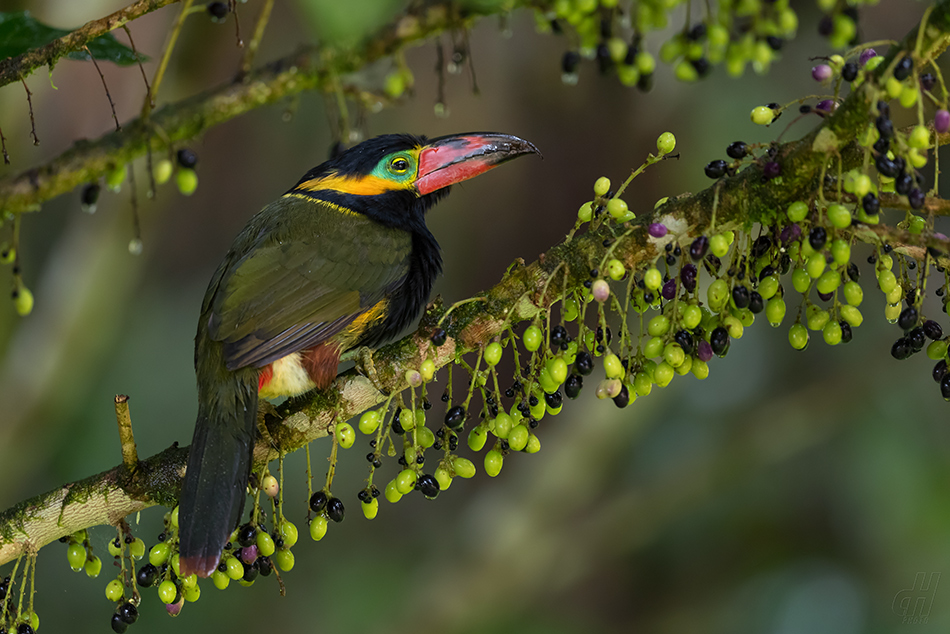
[937, 349]
[797, 211]
[828, 282]
[642, 383]
[76, 556]
[477, 438]
[406, 481]
[114, 549]
[493, 353]
[570, 310]
[798, 336]
[887, 281]
[717, 294]
[115, 178]
[159, 554]
[691, 316]
[557, 368]
[318, 527]
[801, 281]
[586, 212]
[425, 437]
[653, 347]
[192, 593]
[137, 548]
[851, 315]
[660, 325]
[718, 245]
[531, 338]
[187, 181]
[288, 533]
[23, 300]
[284, 559]
[234, 569]
[464, 468]
[612, 366]
[601, 186]
[518, 438]
[162, 171]
[665, 143]
[616, 269]
[407, 420]
[653, 279]
[265, 544]
[839, 216]
[493, 462]
[345, 435]
[775, 311]
[369, 422]
[832, 333]
[167, 591]
[674, 355]
[762, 115]
[391, 493]
[853, 293]
[501, 425]
[816, 317]
[427, 370]
[663, 374]
[816, 265]
[114, 590]
[220, 580]
[93, 567]
[617, 208]
[371, 508]
[700, 369]
[534, 444]
[841, 251]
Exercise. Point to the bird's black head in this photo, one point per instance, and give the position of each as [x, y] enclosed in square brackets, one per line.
[396, 178]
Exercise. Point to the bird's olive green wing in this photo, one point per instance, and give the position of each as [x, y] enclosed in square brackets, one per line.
[283, 292]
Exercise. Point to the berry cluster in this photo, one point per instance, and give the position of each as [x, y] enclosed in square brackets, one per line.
[734, 34]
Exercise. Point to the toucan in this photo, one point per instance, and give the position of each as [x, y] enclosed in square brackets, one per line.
[342, 260]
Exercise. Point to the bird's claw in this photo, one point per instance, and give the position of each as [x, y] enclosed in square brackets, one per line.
[366, 367]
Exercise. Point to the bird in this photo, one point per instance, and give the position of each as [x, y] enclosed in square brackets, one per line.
[342, 260]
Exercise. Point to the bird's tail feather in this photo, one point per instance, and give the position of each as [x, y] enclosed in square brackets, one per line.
[214, 490]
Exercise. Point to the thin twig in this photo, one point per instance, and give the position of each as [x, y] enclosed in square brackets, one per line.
[109, 96]
[29, 101]
[248, 60]
[160, 72]
[3, 144]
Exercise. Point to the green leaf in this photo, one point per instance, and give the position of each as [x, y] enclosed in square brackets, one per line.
[20, 32]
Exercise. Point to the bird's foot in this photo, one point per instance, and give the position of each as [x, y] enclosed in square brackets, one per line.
[366, 367]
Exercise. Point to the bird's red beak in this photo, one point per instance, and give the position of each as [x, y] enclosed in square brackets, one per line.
[453, 159]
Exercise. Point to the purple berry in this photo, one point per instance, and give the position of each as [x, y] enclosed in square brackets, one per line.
[791, 232]
[942, 120]
[688, 277]
[822, 73]
[704, 351]
[669, 289]
[771, 169]
[657, 230]
[826, 106]
[866, 54]
[249, 554]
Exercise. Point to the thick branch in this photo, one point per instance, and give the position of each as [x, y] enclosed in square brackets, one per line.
[14, 68]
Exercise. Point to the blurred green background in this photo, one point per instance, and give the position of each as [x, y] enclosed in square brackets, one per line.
[789, 492]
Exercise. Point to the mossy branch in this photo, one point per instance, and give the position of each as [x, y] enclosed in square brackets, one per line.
[16, 68]
[524, 293]
[311, 68]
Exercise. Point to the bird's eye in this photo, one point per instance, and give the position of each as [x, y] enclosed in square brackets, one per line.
[399, 164]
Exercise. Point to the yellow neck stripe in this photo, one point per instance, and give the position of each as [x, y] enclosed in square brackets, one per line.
[334, 206]
[360, 186]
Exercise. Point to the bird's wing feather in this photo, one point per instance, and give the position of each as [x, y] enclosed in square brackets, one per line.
[281, 293]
